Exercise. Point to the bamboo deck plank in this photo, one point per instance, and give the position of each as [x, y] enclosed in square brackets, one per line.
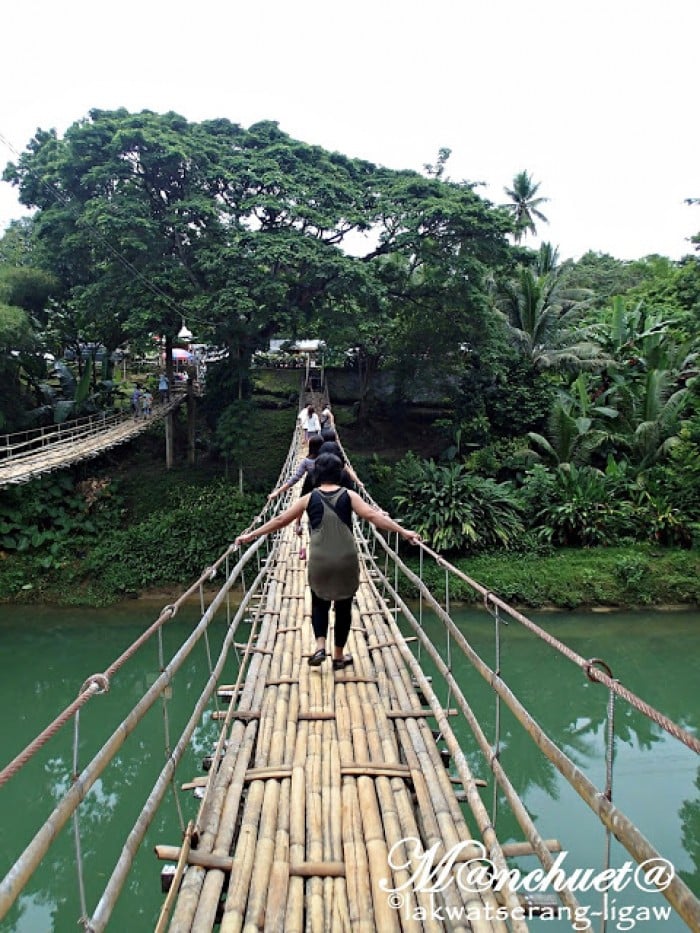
[309, 797]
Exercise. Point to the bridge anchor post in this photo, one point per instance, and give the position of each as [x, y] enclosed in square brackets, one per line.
[191, 411]
[169, 441]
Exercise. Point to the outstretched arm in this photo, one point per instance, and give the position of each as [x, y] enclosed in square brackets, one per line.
[300, 471]
[380, 519]
[274, 524]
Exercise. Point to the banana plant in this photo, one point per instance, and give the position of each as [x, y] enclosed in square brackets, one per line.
[577, 427]
[74, 393]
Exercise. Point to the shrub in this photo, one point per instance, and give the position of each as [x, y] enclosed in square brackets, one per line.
[52, 514]
[454, 509]
[579, 510]
[173, 544]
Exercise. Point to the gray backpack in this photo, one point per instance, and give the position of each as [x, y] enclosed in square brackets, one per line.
[334, 569]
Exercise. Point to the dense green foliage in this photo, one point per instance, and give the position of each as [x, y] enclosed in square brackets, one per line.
[565, 396]
[453, 509]
[171, 546]
[55, 515]
[103, 539]
[145, 219]
[570, 578]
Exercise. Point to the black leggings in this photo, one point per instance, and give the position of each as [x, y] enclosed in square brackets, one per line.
[343, 615]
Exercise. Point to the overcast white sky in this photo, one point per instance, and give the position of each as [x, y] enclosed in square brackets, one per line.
[595, 98]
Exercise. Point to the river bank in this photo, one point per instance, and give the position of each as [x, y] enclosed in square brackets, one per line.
[598, 580]
[129, 544]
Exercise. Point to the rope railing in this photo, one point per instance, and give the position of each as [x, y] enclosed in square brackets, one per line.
[391, 572]
[591, 671]
[598, 801]
[100, 683]
[594, 673]
[21, 444]
[14, 445]
[96, 684]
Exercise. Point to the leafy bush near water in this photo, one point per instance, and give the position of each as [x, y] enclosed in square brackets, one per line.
[458, 511]
[46, 524]
[631, 576]
[76, 542]
[43, 519]
[170, 546]
[454, 509]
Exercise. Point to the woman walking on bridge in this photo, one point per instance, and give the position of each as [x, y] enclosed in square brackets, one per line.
[334, 571]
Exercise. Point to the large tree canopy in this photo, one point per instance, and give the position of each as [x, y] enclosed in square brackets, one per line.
[147, 219]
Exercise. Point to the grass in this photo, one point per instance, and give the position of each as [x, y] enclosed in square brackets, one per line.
[630, 577]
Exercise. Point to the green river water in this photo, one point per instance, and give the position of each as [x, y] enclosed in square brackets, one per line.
[47, 654]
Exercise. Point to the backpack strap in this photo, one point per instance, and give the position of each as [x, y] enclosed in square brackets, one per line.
[333, 505]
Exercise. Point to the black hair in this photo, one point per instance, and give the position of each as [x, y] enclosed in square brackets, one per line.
[329, 434]
[328, 469]
[314, 445]
[331, 447]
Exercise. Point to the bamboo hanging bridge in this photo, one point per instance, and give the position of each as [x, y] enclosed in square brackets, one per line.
[26, 455]
[334, 800]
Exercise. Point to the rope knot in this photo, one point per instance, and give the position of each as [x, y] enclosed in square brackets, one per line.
[592, 663]
[101, 681]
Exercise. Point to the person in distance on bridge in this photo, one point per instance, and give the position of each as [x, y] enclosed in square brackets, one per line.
[331, 446]
[334, 571]
[327, 420]
[308, 419]
[306, 466]
[164, 388]
[136, 402]
[305, 469]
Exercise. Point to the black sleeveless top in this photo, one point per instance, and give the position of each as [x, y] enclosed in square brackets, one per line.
[343, 507]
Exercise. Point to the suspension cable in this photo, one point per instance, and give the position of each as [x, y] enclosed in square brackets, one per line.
[594, 674]
[165, 696]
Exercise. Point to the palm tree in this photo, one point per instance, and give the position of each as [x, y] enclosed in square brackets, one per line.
[576, 429]
[525, 205]
[651, 413]
[543, 317]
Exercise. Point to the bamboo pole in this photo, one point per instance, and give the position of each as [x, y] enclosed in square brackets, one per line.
[384, 745]
[264, 854]
[360, 904]
[426, 809]
[294, 913]
[389, 793]
[432, 786]
[444, 811]
[199, 902]
[314, 814]
[275, 803]
[255, 844]
[182, 861]
[375, 843]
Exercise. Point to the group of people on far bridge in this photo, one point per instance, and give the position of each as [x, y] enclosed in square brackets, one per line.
[141, 403]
